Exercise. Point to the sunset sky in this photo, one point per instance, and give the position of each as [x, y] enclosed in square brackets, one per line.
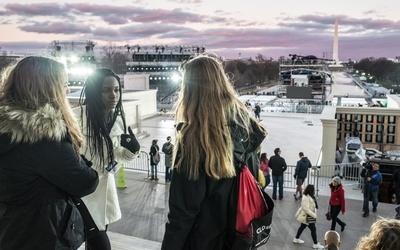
[367, 28]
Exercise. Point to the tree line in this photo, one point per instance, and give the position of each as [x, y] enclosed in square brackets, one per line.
[258, 71]
[385, 71]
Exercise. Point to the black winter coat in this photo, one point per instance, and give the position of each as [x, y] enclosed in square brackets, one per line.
[153, 150]
[202, 212]
[39, 172]
[277, 164]
[302, 168]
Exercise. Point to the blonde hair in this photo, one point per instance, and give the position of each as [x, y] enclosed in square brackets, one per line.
[206, 106]
[384, 235]
[35, 81]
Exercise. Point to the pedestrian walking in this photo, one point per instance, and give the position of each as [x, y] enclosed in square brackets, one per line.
[337, 202]
[300, 174]
[307, 216]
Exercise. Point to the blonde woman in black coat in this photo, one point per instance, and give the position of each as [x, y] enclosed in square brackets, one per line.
[40, 166]
[213, 129]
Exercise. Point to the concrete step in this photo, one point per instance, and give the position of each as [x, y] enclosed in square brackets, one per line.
[126, 242]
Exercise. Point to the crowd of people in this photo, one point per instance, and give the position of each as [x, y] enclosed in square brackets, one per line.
[57, 164]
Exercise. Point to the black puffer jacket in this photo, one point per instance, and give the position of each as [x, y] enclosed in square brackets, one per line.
[39, 171]
[202, 212]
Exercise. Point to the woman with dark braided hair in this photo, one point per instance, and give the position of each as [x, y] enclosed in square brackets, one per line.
[102, 121]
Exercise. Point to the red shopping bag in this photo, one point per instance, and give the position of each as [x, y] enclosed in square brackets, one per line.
[253, 215]
[251, 203]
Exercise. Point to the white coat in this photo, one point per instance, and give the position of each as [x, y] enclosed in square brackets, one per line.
[103, 203]
[307, 208]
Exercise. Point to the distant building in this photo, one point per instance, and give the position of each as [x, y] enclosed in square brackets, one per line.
[157, 67]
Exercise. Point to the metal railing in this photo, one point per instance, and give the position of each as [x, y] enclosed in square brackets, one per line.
[142, 163]
[320, 176]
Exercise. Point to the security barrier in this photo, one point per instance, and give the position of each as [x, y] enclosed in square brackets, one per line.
[320, 176]
[142, 163]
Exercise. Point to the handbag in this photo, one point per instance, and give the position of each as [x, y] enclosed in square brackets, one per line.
[328, 214]
[310, 219]
[253, 215]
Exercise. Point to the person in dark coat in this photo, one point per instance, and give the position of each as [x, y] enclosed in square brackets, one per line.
[168, 149]
[300, 174]
[278, 166]
[257, 111]
[154, 150]
[396, 181]
[372, 181]
[40, 167]
[214, 128]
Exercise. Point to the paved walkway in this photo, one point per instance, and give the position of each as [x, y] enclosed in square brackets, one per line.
[144, 207]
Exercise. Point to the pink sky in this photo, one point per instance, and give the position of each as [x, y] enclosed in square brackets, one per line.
[367, 28]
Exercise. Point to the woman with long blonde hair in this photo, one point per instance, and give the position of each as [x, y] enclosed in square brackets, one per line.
[40, 166]
[214, 132]
[384, 234]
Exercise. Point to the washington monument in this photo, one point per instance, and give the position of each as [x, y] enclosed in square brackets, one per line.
[335, 54]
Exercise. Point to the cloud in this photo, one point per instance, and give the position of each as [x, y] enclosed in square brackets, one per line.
[26, 47]
[135, 14]
[217, 30]
[185, 1]
[38, 9]
[56, 28]
[113, 15]
[106, 33]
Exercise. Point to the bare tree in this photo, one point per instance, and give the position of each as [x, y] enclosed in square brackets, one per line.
[114, 58]
[258, 71]
[5, 60]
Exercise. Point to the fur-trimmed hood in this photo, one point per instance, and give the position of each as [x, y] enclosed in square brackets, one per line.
[24, 126]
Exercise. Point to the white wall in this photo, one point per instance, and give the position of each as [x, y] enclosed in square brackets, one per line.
[393, 101]
[136, 81]
[147, 99]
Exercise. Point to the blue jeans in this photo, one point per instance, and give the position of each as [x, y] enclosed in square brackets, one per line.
[153, 170]
[275, 180]
[168, 173]
[267, 180]
[374, 197]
